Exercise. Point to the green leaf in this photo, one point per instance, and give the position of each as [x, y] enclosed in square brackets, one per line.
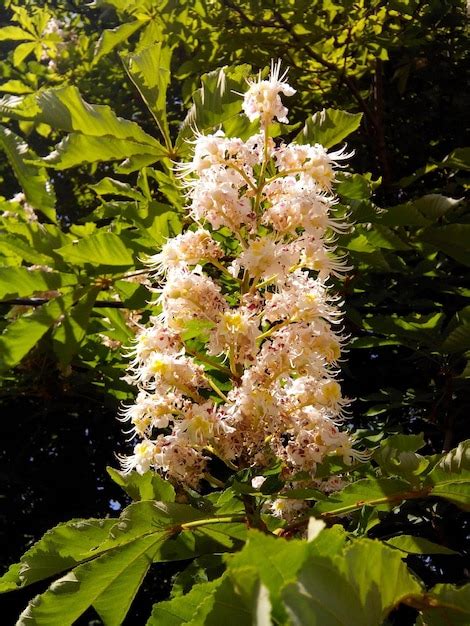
[165, 222]
[149, 70]
[380, 577]
[385, 493]
[17, 282]
[77, 149]
[451, 239]
[457, 461]
[448, 605]
[102, 248]
[22, 51]
[382, 237]
[321, 596]
[111, 38]
[70, 332]
[450, 477]
[148, 486]
[456, 491]
[357, 588]
[16, 246]
[397, 456]
[109, 583]
[328, 127]
[239, 600]
[277, 561]
[182, 609]
[458, 333]
[458, 159]
[404, 443]
[22, 334]
[64, 109]
[59, 549]
[33, 179]
[110, 187]
[417, 545]
[14, 33]
[434, 205]
[215, 102]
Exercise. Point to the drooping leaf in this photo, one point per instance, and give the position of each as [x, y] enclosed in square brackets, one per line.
[109, 583]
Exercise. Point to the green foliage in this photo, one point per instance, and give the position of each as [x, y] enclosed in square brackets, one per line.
[112, 102]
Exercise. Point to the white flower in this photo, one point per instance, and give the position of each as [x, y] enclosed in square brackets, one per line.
[300, 298]
[235, 333]
[262, 99]
[257, 482]
[190, 296]
[142, 459]
[266, 259]
[217, 199]
[190, 248]
[274, 331]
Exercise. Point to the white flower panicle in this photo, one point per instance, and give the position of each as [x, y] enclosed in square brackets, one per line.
[241, 361]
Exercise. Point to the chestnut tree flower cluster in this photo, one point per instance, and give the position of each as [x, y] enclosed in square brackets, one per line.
[241, 361]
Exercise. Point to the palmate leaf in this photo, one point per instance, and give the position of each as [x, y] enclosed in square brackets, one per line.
[109, 583]
[33, 179]
[328, 127]
[111, 560]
